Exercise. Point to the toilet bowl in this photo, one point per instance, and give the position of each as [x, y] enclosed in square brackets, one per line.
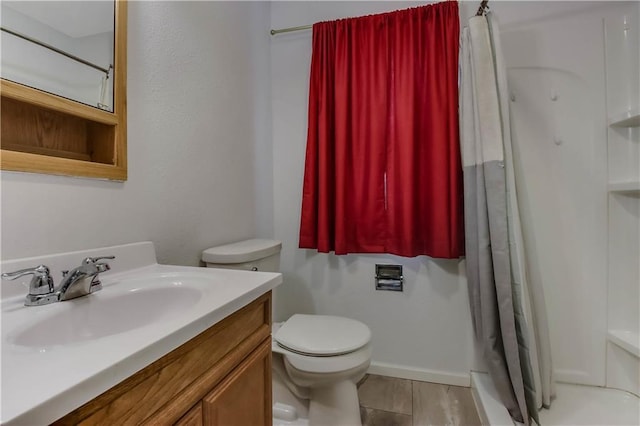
[317, 359]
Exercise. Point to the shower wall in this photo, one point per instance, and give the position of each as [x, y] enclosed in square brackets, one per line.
[556, 74]
[622, 38]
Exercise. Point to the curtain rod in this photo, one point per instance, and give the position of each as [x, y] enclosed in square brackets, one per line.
[481, 10]
[287, 30]
[55, 49]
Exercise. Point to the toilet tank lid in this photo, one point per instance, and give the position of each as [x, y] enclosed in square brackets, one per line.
[242, 251]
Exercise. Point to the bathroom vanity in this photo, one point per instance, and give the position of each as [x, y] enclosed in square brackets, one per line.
[222, 376]
[159, 344]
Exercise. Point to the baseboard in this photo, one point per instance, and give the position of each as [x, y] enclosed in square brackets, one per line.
[420, 374]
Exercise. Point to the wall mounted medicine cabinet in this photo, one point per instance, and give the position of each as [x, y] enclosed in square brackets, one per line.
[43, 132]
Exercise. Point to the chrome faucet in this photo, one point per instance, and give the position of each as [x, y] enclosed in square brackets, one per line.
[78, 282]
[83, 280]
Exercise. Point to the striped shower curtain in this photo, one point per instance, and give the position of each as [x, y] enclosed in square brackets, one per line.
[509, 316]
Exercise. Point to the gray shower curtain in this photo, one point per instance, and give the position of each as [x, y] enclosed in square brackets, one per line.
[506, 312]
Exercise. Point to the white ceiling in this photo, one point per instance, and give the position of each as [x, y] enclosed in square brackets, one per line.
[73, 18]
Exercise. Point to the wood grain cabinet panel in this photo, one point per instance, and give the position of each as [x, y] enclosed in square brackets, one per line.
[244, 397]
[192, 418]
[163, 393]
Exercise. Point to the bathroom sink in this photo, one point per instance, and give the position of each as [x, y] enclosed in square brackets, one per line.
[94, 317]
[77, 349]
[133, 303]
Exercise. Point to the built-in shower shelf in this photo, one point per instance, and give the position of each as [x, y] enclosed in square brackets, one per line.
[627, 340]
[631, 186]
[629, 118]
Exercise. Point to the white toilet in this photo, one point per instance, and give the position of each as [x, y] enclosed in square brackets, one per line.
[317, 359]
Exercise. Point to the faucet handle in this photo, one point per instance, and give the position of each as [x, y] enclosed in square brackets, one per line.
[100, 267]
[90, 260]
[38, 270]
[41, 283]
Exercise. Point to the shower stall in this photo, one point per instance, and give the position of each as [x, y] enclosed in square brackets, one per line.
[573, 77]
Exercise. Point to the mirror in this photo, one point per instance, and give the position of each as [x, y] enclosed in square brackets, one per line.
[61, 47]
[57, 119]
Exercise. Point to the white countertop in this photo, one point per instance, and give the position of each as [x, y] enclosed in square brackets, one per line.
[43, 382]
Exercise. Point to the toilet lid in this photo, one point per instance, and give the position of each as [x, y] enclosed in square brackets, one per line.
[322, 335]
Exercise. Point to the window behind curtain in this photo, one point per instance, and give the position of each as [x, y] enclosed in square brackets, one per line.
[382, 170]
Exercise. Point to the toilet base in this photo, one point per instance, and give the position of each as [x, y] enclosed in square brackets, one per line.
[288, 409]
[286, 415]
[335, 405]
[338, 406]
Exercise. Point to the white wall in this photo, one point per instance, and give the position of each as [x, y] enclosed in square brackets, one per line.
[197, 90]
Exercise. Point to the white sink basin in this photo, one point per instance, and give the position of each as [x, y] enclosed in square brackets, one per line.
[59, 356]
[94, 317]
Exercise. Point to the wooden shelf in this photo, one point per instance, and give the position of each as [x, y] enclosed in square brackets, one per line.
[78, 140]
[629, 118]
[631, 187]
[627, 340]
[28, 96]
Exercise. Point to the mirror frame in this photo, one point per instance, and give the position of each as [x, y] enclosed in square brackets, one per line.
[112, 138]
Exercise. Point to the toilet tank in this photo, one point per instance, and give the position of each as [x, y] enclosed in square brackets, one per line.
[251, 255]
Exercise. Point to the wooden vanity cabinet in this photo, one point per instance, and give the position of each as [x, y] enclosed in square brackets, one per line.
[220, 377]
[193, 417]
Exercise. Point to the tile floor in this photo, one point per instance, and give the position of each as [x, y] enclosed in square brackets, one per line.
[387, 401]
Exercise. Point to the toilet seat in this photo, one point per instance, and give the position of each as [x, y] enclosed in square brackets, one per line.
[322, 335]
[325, 364]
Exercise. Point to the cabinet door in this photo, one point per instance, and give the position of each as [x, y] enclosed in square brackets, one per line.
[192, 418]
[243, 398]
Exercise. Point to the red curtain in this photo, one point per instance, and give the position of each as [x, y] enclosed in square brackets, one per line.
[382, 171]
